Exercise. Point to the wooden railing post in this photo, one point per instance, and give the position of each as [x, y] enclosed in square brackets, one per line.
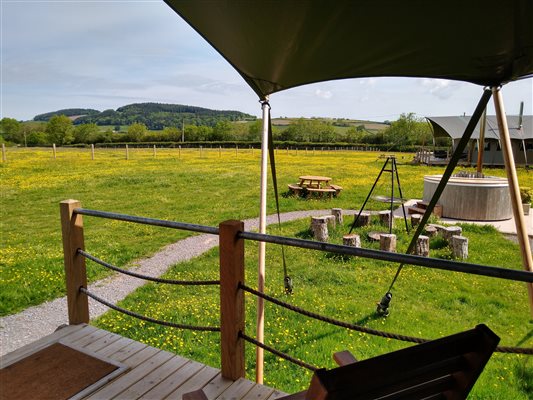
[231, 299]
[75, 272]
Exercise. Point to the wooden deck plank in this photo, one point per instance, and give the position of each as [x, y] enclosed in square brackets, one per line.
[139, 357]
[152, 379]
[22, 352]
[88, 339]
[173, 381]
[197, 381]
[103, 342]
[216, 386]
[276, 395]
[258, 392]
[137, 373]
[154, 374]
[112, 348]
[237, 390]
[85, 331]
[128, 351]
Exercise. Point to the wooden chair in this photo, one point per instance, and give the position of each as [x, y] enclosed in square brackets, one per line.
[445, 368]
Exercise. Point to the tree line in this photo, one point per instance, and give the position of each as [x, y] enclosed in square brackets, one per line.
[155, 116]
[407, 131]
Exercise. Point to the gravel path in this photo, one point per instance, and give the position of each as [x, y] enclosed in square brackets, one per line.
[35, 322]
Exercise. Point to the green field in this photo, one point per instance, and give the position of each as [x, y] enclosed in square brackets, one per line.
[210, 187]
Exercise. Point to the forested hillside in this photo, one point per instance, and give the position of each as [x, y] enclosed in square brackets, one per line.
[68, 112]
[154, 116]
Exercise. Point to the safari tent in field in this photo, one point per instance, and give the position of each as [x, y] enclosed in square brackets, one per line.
[520, 132]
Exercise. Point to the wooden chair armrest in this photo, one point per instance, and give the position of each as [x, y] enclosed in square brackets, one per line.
[295, 396]
[196, 395]
[344, 358]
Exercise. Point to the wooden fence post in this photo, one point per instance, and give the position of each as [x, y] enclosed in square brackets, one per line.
[54, 150]
[231, 299]
[4, 158]
[92, 151]
[127, 153]
[75, 272]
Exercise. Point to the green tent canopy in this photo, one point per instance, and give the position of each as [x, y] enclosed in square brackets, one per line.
[277, 45]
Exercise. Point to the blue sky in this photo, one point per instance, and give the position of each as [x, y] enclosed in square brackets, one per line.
[106, 54]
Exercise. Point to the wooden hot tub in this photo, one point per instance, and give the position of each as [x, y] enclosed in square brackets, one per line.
[476, 199]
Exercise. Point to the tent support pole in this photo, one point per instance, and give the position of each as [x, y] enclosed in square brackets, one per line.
[481, 142]
[260, 333]
[510, 168]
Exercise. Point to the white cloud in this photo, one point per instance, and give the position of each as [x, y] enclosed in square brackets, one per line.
[441, 88]
[323, 94]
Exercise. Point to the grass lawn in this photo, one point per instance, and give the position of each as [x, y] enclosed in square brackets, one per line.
[204, 188]
[210, 187]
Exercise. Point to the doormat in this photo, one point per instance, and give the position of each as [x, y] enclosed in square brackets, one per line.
[55, 372]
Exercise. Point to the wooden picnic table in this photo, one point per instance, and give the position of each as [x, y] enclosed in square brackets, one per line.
[314, 184]
[314, 181]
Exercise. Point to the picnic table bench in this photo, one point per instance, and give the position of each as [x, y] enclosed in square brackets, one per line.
[315, 185]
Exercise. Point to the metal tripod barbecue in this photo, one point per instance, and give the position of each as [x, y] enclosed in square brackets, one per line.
[394, 172]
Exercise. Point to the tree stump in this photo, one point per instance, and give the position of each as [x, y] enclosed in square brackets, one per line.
[332, 222]
[364, 219]
[415, 219]
[337, 213]
[353, 240]
[430, 231]
[319, 227]
[387, 242]
[450, 231]
[386, 218]
[422, 246]
[440, 229]
[459, 246]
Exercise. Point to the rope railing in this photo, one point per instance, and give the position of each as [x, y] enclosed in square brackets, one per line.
[148, 221]
[333, 321]
[145, 277]
[362, 329]
[232, 238]
[448, 265]
[148, 319]
[433, 263]
[278, 353]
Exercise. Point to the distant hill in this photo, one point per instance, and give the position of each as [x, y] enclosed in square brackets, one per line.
[340, 124]
[72, 113]
[155, 116]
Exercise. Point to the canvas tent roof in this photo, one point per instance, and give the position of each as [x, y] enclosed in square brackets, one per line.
[276, 45]
[455, 127]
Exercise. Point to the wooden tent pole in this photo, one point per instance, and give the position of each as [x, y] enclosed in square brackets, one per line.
[260, 334]
[481, 142]
[521, 231]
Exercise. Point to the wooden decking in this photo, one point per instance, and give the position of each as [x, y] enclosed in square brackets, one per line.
[152, 373]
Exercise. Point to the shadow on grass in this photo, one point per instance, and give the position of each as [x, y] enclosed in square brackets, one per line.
[370, 317]
[528, 336]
